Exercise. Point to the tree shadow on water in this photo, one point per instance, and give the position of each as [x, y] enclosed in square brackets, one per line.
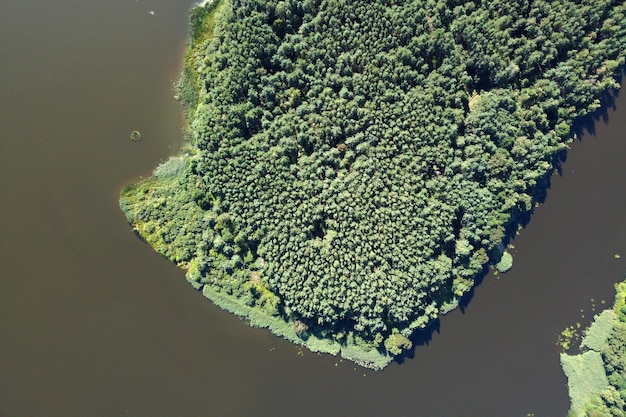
[423, 337]
[587, 124]
[581, 127]
[420, 337]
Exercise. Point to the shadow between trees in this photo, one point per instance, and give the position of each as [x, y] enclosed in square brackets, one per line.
[581, 127]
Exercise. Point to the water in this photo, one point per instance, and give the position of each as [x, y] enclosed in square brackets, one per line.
[94, 323]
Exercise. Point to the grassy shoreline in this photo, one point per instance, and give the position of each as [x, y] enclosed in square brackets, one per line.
[595, 377]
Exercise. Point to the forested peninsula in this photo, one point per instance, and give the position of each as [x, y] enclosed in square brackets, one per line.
[353, 166]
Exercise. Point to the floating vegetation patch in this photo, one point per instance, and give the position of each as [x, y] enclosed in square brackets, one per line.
[135, 136]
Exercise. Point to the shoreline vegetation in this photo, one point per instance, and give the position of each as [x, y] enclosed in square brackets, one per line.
[353, 167]
[596, 377]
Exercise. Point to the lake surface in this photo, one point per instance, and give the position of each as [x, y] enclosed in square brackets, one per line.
[94, 323]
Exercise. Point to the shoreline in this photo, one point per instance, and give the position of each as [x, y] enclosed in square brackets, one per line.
[202, 3]
[231, 283]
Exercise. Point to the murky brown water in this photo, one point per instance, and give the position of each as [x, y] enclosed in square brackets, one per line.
[94, 323]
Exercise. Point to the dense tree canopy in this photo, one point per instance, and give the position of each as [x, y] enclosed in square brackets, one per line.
[355, 164]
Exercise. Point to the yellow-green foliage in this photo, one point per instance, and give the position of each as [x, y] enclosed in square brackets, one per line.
[568, 336]
[266, 300]
[159, 208]
[202, 24]
[397, 342]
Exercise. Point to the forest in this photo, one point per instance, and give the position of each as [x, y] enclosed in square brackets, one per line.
[354, 166]
[597, 374]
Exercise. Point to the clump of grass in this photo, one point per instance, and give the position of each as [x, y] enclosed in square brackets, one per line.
[373, 358]
[135, 136]
[586, 378]
[595, 377]
[568, 337]
[597, 335]
[352, 350]
[505, 263]
[171, 168]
